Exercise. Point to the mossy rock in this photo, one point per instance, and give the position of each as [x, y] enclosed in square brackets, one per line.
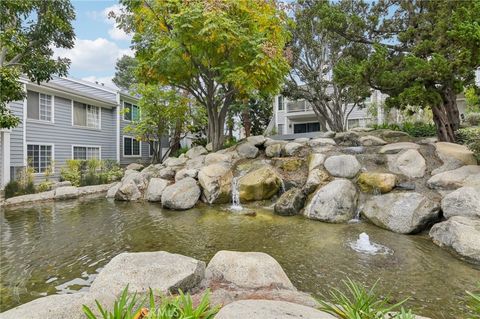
[259, 184]
[376, 182]
[292, 164]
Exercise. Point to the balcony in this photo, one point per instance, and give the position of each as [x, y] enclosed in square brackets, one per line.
[298, 106]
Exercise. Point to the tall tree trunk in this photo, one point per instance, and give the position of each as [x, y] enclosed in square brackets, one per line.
[176, 138]
[443, 122]
[247, 123]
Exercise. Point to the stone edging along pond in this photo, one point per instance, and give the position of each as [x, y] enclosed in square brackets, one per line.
[247, 285]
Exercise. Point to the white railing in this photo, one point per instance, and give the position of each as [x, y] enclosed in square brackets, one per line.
[298, 106]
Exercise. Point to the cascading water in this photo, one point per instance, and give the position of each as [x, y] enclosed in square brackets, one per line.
[236, 205]
[363, 245]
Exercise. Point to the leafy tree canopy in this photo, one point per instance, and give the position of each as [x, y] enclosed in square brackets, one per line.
[29, 31]
[422, 52]
[212, 49]
[125, 72]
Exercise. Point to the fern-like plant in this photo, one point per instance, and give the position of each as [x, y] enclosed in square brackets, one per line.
[359, 302]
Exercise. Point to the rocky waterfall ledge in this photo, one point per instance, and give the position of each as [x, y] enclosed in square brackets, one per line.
[388, 178]
[246, 284]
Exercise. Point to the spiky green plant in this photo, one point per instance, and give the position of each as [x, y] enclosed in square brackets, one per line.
[125, 307]
[358, 302]
[474, 304]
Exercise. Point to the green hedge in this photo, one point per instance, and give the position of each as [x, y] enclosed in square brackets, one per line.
[470, 136]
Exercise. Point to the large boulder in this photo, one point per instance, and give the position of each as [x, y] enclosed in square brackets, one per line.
[139, 179]
[167, 173]
[274, 150]
[370, 140]
[161, 271]
[335, 202]
[453, 156]
[196, 163]
[182, 195]
[316, 177]
[315, 160]
[405, 213]
[93, 189]
[397, 147]
[196, 151]
[214, 158]
[113, 190]
[269, 309]
[66, 192]
[247, 150]
[290, 202]
[216, 182]
[269, 141]
[321, 142]
[259, 184]
[257, 140]
[459, 234]
[30, 198]
[175, 163]
[465, 201]
[345, 166]
[66, 306]
[134, 166]
[128, 191]
[246, 270]
[468, 175]
[369, 182]
[155, 189]
[408, 162]
[186, 172]
[349, 138]
[291, 148]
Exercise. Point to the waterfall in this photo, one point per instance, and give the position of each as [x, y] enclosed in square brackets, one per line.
[236, 205]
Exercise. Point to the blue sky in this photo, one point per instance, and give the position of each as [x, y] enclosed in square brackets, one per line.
[98, 42]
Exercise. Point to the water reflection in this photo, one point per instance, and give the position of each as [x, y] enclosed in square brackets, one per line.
[60, 247]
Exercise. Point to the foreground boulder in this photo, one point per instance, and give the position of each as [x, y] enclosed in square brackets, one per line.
[128, 191]
[459, 234]
[315, 160]
[162, 271]
[404, 213]
[67, 306]
[345, 166]
[408, 162]
[216, 182]
[376, 182]
[269, 309]
[247, 150]
[274, 150]
[468, 175]
[316, 177]
[370, 140]
[113, 190]
[155, 189]
[257, 140]
[335, 202]
[259, 184]
[397, 147]
[290, 203]
[246, 270]
[465, 201]
[182, 195]
[196, 151]
[453, 156]
[292, 147]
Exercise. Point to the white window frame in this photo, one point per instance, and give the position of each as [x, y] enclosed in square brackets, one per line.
[52, 157]
[86, 110]
[123, 111]
[88, 146]
[139, 146]
[52, 109]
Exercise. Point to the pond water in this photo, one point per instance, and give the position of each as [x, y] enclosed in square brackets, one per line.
[59, 248]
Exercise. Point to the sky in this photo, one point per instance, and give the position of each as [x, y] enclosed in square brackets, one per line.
[98, 42]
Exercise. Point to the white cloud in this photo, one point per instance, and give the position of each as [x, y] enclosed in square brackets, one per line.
[115, 32]
[107, 80]
[93, 56]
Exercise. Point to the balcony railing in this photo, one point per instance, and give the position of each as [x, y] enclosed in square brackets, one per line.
[298, 106]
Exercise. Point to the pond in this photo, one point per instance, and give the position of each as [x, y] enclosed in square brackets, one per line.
[59, 247]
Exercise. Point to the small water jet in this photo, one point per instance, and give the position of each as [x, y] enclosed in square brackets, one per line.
[364, 245]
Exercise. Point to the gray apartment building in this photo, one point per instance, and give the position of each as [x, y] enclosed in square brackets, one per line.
[69, 119]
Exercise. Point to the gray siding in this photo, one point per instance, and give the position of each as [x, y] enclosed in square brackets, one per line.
[125, 160]
[16, 137]
[63, 135]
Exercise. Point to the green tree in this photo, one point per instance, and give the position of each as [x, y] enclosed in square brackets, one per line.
[125, 72]
[255, 113]
[319, 54]
[423, 52]
[212, 49]
[472, 97]
[29, 31]
[163, 112]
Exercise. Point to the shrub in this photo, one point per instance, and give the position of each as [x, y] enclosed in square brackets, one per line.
[473, 119]
[470, 137]
[415, 129]
[44, 186]
[12, 189]
[170, 307]
[359, 302]
[71, 172]
[91, 172]
[201, 141]
[180, 151]
[229, 142]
